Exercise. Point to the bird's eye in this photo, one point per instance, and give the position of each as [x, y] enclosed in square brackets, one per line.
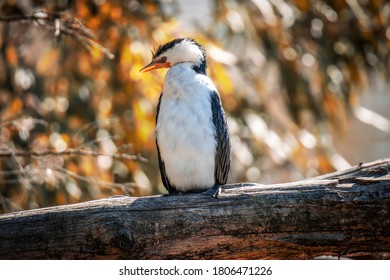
[162, 59]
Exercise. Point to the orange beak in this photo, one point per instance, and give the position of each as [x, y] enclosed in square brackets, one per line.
[154, 65]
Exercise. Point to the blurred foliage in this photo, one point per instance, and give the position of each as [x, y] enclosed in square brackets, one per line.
[299, 68]
[288, 72]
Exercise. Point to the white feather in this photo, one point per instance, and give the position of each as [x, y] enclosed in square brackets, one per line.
[185, 130]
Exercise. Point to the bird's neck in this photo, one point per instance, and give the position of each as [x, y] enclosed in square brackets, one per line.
[201, 67]
[181, 81]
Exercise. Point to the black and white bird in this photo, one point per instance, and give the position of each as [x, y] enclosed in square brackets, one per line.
[192, 135]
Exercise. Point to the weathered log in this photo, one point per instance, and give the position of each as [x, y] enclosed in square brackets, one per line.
[339, 214]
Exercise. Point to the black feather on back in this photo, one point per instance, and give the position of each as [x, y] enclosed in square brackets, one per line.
[222, 157]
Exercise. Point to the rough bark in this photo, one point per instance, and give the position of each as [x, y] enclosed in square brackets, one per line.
[340, 214]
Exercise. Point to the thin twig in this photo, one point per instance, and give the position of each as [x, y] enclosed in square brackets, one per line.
[99, 140]
[70, 152]
[124, 187]
[94, 125]
[65, 24]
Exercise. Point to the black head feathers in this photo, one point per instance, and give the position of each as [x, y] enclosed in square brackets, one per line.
[201, 67]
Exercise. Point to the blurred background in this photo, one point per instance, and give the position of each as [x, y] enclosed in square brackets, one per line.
[304, 84]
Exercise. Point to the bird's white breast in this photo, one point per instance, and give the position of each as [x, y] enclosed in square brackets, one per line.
[185, 130]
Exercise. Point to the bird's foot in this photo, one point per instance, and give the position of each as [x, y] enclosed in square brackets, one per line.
[215, 191]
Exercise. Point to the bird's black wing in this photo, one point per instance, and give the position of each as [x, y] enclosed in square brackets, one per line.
[164, 178]
[222, 157]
